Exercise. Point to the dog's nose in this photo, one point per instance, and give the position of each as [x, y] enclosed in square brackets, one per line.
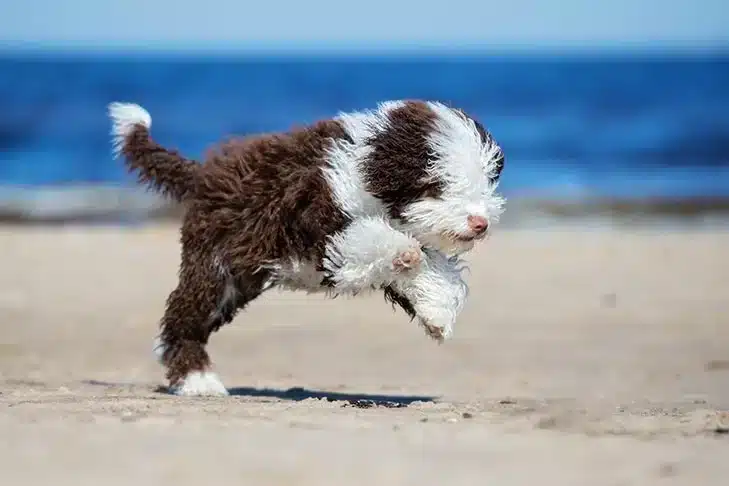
[478, 224]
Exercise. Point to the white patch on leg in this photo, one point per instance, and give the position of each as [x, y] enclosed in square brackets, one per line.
[370, 253]
[159, 347]
[437, 293]
[295, 274]
[230, 291]
[200, 384]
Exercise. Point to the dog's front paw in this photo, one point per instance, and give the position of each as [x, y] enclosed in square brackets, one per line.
[436, 332]
[408, 259]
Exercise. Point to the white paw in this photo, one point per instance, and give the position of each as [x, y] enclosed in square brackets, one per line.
[201, 384]
[438, 332]
[408, 259]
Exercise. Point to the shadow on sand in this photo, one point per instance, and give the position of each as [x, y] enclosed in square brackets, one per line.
[297, 394]
[353, 399]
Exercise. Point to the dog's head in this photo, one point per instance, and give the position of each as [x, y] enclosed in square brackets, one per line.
[438, 170]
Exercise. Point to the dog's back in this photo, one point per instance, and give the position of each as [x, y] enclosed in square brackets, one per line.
[431, 169]
[267, 195]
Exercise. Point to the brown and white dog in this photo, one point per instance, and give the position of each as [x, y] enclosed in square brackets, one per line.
[376, 200]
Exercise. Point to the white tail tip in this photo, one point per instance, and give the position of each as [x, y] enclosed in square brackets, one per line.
[124, 117]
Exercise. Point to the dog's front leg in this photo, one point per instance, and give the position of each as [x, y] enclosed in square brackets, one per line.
[436, 293]
[369, 253]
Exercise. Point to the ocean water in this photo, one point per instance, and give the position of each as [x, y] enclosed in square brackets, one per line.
[571, 127]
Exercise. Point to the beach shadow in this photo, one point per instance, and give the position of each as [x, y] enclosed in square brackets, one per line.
[296, 394]
[361, 400]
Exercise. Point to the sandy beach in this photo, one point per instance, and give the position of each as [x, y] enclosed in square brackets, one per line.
[582, 358]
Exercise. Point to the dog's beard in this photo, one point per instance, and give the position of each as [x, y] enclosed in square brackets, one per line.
[446, 243]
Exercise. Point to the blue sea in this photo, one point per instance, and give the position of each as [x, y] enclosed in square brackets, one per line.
[571, 126]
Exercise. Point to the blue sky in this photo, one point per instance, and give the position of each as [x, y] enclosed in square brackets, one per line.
[335, 23]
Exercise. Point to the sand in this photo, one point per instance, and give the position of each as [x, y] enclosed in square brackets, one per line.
[582, 358]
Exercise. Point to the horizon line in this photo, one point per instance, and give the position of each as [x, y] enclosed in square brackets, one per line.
[367, 48]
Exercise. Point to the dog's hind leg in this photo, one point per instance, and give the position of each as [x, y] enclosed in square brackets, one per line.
[206, 298]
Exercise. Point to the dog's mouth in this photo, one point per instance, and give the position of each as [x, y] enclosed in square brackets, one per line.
[467, 238]
[451, 241]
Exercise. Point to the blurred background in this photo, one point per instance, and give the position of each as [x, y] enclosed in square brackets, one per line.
[618, 109]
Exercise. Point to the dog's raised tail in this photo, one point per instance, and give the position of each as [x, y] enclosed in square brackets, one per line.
[165, 170]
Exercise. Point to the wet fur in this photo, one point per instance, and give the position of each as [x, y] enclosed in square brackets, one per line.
[267, 210]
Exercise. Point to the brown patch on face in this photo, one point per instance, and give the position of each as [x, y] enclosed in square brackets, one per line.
[396, 169]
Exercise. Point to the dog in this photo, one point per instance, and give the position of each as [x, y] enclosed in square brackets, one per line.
[386, 200]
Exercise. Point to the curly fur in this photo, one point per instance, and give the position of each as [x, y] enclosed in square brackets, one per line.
[368, 201]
